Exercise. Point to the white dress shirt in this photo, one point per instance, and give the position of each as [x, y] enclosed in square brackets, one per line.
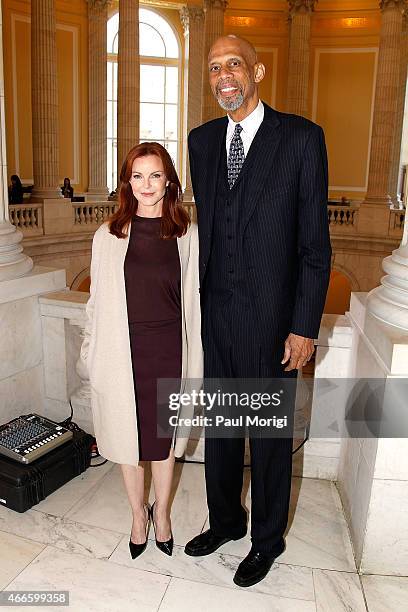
[250, 126]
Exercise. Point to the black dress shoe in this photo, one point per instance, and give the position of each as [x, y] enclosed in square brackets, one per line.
[253, 569]
[167, 546]
[206, 543]
[137, 549]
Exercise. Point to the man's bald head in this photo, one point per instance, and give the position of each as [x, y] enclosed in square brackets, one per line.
[231, 42]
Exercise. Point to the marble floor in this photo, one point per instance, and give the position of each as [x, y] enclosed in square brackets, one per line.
[77, 540]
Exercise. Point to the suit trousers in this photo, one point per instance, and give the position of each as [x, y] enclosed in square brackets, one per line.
[232, 351]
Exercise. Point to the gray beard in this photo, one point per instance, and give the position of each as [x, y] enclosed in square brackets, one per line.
[233, 104]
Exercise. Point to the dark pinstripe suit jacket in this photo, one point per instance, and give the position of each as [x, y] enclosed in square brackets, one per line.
[286, 238]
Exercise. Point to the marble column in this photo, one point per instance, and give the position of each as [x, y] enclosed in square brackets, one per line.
[385, 104]
[44, 100]
[389, 301]
[13, 262]
[300, 13]
[396, 170]
[192, 18]
[213, 29]
[128, 78]
[97, 96]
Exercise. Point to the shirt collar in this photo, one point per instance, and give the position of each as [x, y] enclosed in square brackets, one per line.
[251, 123]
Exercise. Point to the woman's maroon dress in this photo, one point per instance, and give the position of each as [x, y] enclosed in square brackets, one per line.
[152, 280]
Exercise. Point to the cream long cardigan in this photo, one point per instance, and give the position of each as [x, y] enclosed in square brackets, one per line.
[106, 353]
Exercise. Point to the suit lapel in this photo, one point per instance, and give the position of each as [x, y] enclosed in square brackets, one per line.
[260, 159]
[216, 148]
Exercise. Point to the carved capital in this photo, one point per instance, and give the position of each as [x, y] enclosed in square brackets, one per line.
[99, 4]
[400, 5]
[190, 15]
[301, 6]
[216, 4]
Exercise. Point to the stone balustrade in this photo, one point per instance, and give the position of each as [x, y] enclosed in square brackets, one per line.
[397, 217]
[27, 218]
[343, 217]
[63, 216]
[86, 213]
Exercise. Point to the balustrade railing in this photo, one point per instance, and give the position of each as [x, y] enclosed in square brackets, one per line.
[27, 217]
[62, 217]
[343, 217]
[87, 213]
[397, 217]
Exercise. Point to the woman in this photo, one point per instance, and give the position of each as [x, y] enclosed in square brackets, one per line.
[143, 325]
[67, 190]
[16, 192]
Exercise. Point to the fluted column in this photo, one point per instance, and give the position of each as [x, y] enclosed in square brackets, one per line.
[385, 103]
[300, 13]
[395, 176]
[192, 18]
[213, 29]
[44, 100]
[13, 262]
[128, 78]
[97, 96]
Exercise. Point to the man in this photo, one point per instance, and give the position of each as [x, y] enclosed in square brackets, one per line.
[260, 185]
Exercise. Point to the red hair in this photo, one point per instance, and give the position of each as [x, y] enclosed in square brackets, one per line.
[175, 219]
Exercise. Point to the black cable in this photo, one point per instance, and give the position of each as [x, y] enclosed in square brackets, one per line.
[181, 460]
[70, 424]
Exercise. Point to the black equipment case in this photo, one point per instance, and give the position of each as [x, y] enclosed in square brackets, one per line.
[23, 486]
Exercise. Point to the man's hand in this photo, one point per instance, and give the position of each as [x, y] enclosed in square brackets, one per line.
[298, 351]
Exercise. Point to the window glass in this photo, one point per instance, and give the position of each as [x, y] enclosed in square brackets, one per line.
[171, 119]
[172, 86]
[159, 86]
[171, 146]
[151, 121]
[112, 31]
[157, 22]
[150, 41]
[152, 83]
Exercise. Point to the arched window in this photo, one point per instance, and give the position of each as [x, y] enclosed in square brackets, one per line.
[159, 86]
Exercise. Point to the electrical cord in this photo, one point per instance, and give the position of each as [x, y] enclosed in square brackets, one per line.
[70, 424]
[247, 465]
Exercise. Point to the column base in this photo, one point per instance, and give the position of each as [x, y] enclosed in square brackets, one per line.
[384, 200]
[389, 302]
[13, 262]
[97, 193]
[39, 195]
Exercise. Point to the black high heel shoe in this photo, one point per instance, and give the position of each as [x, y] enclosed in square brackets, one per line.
[137, 549]
[166, 547]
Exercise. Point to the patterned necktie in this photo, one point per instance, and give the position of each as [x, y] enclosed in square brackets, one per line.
[236, 156]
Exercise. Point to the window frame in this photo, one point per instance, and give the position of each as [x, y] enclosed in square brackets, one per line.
[147, 60]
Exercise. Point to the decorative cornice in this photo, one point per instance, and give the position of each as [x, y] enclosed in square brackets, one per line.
[301, 6]
[220, 4]
[189, 15]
